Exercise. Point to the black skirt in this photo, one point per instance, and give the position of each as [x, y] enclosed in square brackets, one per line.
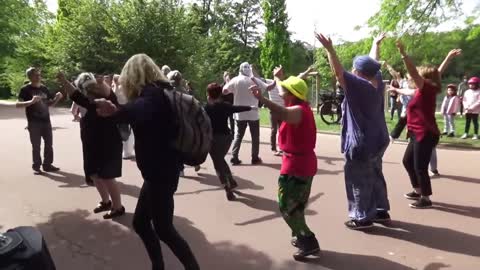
[102, 155]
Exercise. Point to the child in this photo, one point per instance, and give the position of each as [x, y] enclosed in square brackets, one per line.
[471, 104]
[297, 138]
[449, 109]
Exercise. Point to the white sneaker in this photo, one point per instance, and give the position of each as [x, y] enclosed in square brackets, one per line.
[464, 136]
[475, 137]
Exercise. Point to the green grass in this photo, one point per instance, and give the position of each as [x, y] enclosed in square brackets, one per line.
[459, 122]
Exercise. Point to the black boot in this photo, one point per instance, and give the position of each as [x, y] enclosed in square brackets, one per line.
[307, 245]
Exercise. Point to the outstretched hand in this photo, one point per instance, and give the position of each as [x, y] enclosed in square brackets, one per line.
[400, 47]
[378, 39]
[256, 92]
[278, 72]
[454, 53]
[325, 41]
[105, 108]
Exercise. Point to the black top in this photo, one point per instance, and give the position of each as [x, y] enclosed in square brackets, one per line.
[39, 111]
[150, 117]
[101, 139]
[219, 113]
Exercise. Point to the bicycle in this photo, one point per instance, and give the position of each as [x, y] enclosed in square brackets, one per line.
[330, 108]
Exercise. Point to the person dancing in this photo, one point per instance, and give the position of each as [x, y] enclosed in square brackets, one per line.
[102, 144]
[219, 111]
[297, 138]
[364, 136]
[421, 125]
[150, 116]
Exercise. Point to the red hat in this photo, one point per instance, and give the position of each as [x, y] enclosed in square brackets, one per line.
[474, 80]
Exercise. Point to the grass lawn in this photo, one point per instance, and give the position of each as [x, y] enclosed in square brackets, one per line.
[459, 122]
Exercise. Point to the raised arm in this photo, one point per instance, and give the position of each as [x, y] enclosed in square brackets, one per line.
[305, 74]
[451, 54]
[375, 50]
[291, 115]
[411, 68]
[332, 58]
[395, 74]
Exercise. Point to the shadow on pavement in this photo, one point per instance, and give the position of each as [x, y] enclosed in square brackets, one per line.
[432, 237]
[77, 241]
[71, 180]
[277, 166]
[436, 266]
[212, 180]
[263, 204]
[461, 178]
[468, 211]
[343, 261]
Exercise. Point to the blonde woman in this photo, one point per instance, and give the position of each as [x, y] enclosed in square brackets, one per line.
[149, 114]
[102, 144]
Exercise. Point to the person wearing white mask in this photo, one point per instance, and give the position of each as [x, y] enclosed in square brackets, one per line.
[239, 86]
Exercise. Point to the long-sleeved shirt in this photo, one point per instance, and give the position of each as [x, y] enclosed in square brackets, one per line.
[450, 105]
[219, 113]
[150, 117]
[471, 101]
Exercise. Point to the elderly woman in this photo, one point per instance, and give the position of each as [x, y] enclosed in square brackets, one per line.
[102, 144]
[150, 115]
[297, 139]
[364, 136]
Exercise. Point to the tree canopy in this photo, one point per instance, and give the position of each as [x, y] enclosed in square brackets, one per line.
[204, 38]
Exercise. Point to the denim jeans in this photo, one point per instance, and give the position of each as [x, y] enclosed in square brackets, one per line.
[366, 188]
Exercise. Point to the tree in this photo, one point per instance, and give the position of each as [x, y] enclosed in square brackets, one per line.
[413, 16]
[275, 49]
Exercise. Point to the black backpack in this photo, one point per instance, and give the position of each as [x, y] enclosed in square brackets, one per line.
[194, 129]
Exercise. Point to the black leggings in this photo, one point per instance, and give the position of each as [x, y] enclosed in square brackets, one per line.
[416, 159]
[153, 220]
[470, 117]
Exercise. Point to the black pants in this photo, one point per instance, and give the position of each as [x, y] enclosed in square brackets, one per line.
[39, 130]
[153, 220]
[254, 132]
[470, 117]
[394, 107]
[275, 123]
[218, 151]
[399, 127]
[416, 159]
[232, 124]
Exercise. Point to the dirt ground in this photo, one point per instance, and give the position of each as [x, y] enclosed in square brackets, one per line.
[248, 233]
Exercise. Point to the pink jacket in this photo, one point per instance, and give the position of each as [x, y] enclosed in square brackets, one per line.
[450, 106]
[471, 101]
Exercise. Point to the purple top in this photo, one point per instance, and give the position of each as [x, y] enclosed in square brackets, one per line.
[364, 130]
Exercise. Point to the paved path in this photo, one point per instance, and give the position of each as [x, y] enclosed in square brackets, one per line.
[248, 233]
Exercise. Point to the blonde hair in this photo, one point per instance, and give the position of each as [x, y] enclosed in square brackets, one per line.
[139, 71]
[431, 73]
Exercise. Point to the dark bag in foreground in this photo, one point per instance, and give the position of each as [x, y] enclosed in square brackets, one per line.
[24, 248]
[194, 130]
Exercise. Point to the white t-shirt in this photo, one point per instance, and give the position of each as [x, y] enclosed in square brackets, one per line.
[239, 86]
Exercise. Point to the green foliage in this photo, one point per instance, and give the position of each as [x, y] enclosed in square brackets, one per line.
[426, 49]
[275, 48]
[413, 16]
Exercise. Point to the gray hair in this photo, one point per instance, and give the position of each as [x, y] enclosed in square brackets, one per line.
[29, 72]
